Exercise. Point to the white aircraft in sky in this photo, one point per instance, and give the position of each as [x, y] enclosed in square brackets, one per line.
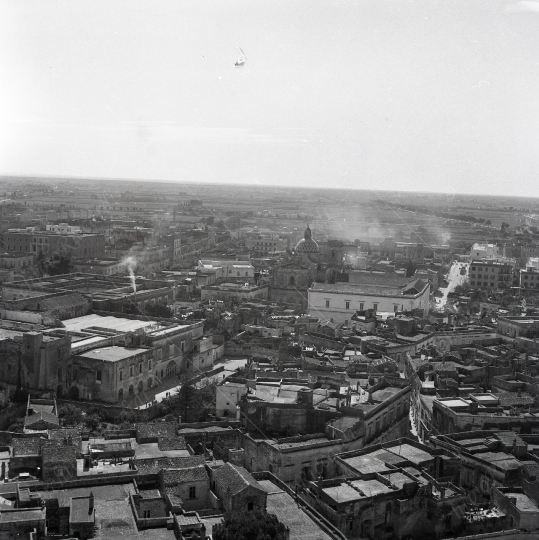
[241, 59]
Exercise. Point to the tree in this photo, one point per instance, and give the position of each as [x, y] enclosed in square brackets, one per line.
[159, 310]
[410, 268]
[70, 416]
[191, 403]
[255, 525]
[56, 265]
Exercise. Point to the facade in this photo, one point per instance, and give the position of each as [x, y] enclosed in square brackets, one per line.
[16, 260]
[227, 398]
[109, 374]
[264, 244]
[76, 245]
[229, 271]
[32, 359]
[340, 301]
[234, 292]
[490, 274]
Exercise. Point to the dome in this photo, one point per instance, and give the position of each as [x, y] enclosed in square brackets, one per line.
[307, 244]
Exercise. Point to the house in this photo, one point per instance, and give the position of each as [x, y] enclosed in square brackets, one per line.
[236, 489]
[185, 489]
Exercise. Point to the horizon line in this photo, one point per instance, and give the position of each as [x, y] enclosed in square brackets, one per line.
[4, 176]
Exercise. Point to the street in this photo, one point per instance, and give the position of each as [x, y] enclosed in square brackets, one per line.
[454, 278]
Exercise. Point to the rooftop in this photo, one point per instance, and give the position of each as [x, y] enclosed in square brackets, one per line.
[113, 353]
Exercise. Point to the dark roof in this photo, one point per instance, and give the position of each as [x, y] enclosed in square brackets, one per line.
[171, 443]
[26, 446]
[41, 416]
[59, 453]
[64, 432]
[509, 399]
[234, 478]
[181, 476]
[160, 429]
[154, 465]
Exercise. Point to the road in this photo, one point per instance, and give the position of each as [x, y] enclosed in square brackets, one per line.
[454, 278]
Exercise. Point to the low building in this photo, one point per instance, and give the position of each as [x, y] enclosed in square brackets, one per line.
[340, 301]
[236, 489]
[234, 292]
[484, 251]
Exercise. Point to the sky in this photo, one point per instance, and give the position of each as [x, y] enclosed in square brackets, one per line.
[392, 94]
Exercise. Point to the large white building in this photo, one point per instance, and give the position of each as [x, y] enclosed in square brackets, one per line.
[339, 301]
[484, 251]
[238, 271]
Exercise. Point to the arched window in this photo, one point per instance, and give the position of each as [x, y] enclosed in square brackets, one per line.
[121, 394]
[292, 281]
[131, 391]
[140, 387]
[150, 382]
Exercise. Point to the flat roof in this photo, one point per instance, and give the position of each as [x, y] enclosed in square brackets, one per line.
[112, 354]
[523, 502]
[113, 323]
[366, 463]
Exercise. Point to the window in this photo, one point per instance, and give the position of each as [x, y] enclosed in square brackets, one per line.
[250, 506]
[327, 303]
[171, 349]
[147, 514]
[395, 307]
[347, 304]
[140, 368]
[98, 375]
[130, 371]
[192, 492]
[121, 375]
[375, 307]
[183, 346]
[361, 306]
[149, 364]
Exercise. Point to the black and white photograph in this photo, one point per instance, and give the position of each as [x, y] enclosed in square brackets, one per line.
[269, 270]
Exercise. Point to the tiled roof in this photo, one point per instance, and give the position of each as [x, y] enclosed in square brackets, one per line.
[171, 443]
[154, 465]
[26, 446]
[508, 399]
[64, 432]
[234, 478]
[41, 416]
[58, 453]
[161, 429]
[182, 476]
[187, 520]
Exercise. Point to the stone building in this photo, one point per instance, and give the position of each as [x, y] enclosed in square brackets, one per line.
[185, 489]
[236, 489]
[109, 374]
[32, 359]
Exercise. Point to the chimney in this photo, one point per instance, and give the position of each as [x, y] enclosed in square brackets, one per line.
[91, 504]
[319, 487]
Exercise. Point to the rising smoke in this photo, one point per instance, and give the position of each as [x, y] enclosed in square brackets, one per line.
[131, 263]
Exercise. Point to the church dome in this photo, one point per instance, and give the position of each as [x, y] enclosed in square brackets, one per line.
[307, 244]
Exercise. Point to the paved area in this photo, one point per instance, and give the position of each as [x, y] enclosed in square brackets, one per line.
[291, 515]
[454, 278]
